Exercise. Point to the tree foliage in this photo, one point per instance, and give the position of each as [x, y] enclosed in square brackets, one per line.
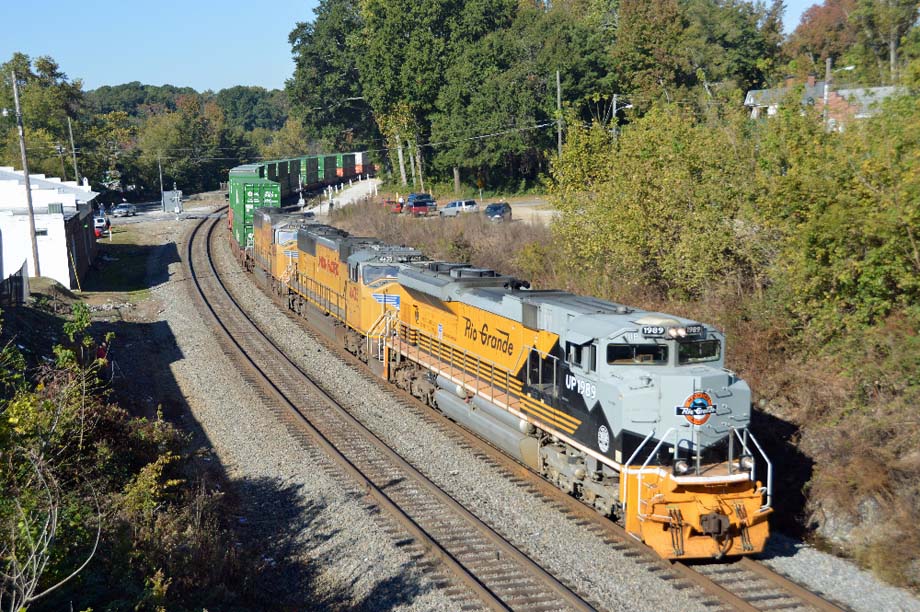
[325, 89]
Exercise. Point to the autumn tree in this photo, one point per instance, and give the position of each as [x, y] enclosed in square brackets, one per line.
[825, 30]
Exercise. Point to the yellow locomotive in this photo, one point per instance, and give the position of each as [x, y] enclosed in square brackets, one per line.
[630, 411]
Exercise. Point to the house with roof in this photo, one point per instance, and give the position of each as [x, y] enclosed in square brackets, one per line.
[63, 212]
[843, 104]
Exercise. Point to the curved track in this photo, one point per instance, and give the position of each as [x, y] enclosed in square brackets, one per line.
[744, 584]
[492, 572]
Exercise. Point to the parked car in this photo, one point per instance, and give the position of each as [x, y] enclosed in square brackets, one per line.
[124, 210]
[422, 208]
[499, 211]
[452, 209]
[101, 225]
[413, 198]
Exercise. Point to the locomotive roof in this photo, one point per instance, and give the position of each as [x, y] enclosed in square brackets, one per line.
[385, 253]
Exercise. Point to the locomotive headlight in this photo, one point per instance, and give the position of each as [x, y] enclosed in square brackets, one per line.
[681, 467]
[682, 332]
[746, 462]
[672, 332]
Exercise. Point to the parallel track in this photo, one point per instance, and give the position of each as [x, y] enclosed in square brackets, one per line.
[743, 584]
[493, 573]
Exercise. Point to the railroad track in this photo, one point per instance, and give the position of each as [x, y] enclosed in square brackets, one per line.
[489, 571]
[744, 584]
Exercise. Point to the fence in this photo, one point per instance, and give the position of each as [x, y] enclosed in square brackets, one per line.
[15, 289]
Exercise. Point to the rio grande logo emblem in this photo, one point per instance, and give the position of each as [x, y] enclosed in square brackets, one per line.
[697, 408]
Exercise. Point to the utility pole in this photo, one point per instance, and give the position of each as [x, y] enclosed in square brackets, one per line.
[160, 166]
[73, 152]
[25, 172]
[559, 111]
[827, 87]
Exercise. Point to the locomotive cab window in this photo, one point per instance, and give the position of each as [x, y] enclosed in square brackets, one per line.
[632, 354]
[699, 351]
[373, 274]
[584, 356]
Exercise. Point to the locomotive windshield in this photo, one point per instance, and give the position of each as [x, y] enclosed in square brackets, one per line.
[375, 273]
[699, 351]
[631, 354]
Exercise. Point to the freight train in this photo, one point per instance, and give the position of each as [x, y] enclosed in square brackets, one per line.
[277, 182]
[631, 411]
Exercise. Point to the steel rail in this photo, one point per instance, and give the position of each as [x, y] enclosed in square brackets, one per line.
[475, 583]
[579, 512]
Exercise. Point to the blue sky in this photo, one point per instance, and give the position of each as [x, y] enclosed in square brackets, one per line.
[205, 45]
[201, 44]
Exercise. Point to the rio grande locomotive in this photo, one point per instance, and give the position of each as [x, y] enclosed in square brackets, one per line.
[631, 411]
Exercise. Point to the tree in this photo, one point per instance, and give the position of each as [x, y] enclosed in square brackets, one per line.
[882, 24]
[661, 208]
[649, 52]
[503, 86]
[325, 90]
[47, 99]
[194, 145]
[248, 108]
[825, 31]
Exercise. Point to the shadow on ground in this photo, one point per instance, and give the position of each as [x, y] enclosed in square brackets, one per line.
[275, 530]
[792, 470]
[130, 267]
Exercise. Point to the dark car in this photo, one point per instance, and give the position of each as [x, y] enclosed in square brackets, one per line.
[413, 198]
[499, 211]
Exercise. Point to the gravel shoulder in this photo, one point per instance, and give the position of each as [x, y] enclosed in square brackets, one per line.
[324, 546]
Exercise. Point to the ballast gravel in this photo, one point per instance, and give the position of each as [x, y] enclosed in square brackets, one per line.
[329, 549]
[325, 548]
[608, 577]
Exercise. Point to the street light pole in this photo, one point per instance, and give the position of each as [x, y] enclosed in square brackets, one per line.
[25, 172]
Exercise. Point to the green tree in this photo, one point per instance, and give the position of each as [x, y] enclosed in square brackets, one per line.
[248, 108]
[325, 90]
[194, 145]
[661, 207]
[47, 99]
[503, 85]
[882, 25]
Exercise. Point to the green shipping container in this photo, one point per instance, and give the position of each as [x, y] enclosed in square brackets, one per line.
[329, 166]
[309, 172]
[246, 194]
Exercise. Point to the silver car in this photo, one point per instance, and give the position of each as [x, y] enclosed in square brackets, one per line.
[452, 209]
[124, 210]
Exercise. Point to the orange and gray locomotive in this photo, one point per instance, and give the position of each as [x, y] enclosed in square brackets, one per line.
[631, 411]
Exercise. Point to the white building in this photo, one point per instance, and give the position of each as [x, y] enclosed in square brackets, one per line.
[63, 226]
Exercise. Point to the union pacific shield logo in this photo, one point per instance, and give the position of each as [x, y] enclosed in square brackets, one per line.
[697, 408]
